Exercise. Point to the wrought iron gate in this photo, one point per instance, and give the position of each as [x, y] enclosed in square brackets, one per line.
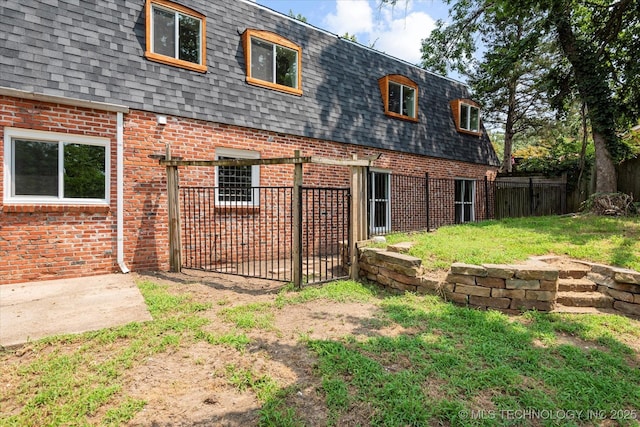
[252, 235]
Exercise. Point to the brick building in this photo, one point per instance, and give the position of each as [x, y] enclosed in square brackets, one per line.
[91, 92]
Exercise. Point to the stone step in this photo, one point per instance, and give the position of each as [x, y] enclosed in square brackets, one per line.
[559, 308]
[576, 285]
[584, 299]
[573, 271]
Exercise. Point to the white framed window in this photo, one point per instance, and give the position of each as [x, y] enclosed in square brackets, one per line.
[237, 185]
[379, 201]
[272, 61]
[469, 118]
[55, 168]
[464, 200]
[399, 97]
[175, 35]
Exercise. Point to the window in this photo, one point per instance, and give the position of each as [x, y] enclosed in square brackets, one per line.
[175, 35]
[48, 167]
[400, 97]
[466, 114]
[272, 61]
[236, 185]
[469, 118]
[464, 200]
[379, 202]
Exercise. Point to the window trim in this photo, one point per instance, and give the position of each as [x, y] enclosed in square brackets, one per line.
[456, 108]
[255, 175]
[372, 201]
[277, 40]
[401, 80]
[462, 203]
[151, 55]
[60, 138]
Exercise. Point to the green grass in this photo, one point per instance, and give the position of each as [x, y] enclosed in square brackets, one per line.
[607, 240]
[467, 367]
[73, 377]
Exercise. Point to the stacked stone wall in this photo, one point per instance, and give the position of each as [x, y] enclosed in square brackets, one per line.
[505, 287]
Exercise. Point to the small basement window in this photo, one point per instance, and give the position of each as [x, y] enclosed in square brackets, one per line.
[237, 185]
[272, 61]
[175, 35]
[55, 168]
[399, 96]
[466, 114]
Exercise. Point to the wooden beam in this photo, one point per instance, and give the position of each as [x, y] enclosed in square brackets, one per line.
[364, 162]
[237, 162]
[173, 201]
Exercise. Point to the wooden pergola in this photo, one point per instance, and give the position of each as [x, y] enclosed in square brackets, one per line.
[358, 178]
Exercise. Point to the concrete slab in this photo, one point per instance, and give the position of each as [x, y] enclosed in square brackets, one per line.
[30, 311]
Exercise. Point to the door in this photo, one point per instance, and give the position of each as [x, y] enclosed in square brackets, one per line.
[379, 202]
[464, 200]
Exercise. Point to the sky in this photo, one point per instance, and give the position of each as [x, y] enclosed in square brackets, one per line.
[397, 31]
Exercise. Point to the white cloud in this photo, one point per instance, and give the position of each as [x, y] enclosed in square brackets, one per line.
[397, 31]
[402, 36]
[352, 16]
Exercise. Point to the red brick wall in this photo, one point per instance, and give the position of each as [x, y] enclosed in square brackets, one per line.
[41, 242]
[55, 242]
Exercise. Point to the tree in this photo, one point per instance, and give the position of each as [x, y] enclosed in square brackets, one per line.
[597, 49]
[298, 16]
[506, 80]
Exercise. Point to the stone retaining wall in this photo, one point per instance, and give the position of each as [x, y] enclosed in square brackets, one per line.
[508, 288]
[621, 284]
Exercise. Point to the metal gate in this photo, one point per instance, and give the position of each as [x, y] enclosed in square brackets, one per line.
[249, 231]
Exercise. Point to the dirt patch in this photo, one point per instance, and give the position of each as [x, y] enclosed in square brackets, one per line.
[190, 386]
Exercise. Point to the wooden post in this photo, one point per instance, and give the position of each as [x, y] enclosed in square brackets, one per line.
[297, 222]
[175, 244]
[358, 230]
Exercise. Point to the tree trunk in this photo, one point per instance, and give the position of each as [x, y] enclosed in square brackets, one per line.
[508, 130]
[591, 81]
[606, 178]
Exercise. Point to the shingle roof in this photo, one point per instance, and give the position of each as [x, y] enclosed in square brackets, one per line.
[95, 51]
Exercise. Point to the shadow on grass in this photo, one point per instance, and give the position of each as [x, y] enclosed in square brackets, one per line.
[470, 367]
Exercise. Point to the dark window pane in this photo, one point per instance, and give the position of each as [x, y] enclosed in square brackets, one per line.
[189, 33]
[261, 60]
[35, 168]
[234, 182]
[467, 212]
[164, 34]
[464, 117]
[408, 101]
[84, 171]
[468, 191]
[394, 97]
[475, 119]
[286, 67]
[459, 185]
[380, 214]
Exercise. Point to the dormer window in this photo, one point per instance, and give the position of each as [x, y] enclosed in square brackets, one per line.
[466, 115]
[272, 61]
[469, 118]
[175, 35]
[399, 96]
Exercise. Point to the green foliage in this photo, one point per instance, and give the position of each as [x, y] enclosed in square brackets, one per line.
[298, 16]
[547, 52]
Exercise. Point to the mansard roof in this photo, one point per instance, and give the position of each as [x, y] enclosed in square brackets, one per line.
[95, 51]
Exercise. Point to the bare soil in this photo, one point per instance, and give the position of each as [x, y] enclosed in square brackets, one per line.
[189, 387]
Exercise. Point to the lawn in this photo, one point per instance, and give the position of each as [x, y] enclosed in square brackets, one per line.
[607, 240]
[344, 353]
